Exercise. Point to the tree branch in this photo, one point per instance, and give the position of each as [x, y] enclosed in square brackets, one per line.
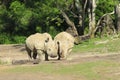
[97, 26]
[73, 14]
[85, 4]
[69, 22]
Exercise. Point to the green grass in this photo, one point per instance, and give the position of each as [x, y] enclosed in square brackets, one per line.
[108, 45]
[96, 70]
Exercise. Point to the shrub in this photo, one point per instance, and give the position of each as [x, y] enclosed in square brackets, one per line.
[11, 39]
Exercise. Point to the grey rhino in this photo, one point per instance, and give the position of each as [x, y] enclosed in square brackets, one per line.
[41, 45]
[65, 43]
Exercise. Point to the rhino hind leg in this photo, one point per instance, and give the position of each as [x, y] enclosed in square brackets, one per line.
[34, 53]
[28, 52]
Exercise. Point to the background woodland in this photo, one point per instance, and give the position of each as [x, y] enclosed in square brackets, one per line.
[21, 18]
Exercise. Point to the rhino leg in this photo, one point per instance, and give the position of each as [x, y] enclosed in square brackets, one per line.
[64, 54]
[36, 61]
[40, 55]
[34, 53]
[28, 52]
[46, 57]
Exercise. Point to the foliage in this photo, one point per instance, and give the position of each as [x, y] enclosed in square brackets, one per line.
[11, 39]
[20, 15]
[25, 17]
[103, 7]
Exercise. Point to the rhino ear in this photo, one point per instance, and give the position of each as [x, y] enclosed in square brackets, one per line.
[46, 40]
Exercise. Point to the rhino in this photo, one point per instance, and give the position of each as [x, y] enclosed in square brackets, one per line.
[65, 43]
[41, 45]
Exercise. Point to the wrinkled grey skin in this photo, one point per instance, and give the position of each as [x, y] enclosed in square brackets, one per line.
[41, 45]
[65, 43]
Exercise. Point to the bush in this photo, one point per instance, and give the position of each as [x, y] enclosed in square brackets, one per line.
[19, 39]
[11, 39]
[4, 38]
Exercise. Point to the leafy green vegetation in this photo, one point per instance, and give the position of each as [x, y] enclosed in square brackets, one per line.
[11, 39]
[24, 17]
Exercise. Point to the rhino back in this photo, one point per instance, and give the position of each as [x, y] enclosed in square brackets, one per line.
[36, 40]
[64, 36]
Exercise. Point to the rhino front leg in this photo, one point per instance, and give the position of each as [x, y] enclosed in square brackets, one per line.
[64, 54]
[46, 57]
[40, 57]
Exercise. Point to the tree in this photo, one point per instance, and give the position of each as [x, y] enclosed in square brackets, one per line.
[79, 17]
[105, 19]
[91, 14]
[117, 14]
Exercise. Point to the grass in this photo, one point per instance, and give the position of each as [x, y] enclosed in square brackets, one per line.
[100, 45]
[96, 70]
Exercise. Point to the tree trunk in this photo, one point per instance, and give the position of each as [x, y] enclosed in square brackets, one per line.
[80, 15]
[117, 14]
[91, 14]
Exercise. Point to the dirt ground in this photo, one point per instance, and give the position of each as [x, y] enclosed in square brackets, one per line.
[12, 53]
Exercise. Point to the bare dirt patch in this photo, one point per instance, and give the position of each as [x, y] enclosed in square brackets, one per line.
[17, 52]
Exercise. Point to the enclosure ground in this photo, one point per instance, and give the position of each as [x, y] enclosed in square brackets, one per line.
[10, 53]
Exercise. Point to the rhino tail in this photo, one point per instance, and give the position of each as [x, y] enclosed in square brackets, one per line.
[58, 43]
